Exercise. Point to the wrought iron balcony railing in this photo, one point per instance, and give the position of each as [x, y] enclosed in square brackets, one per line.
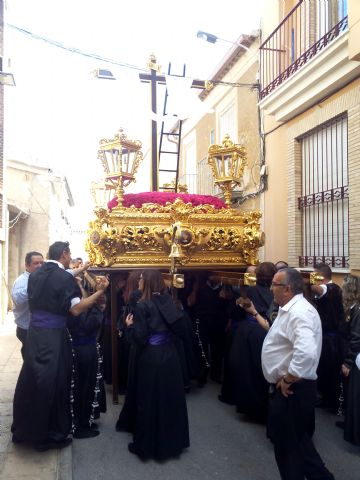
[305, 31]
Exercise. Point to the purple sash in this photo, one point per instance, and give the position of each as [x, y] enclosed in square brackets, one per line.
[42, 319]
[159, 338]
[85, 340]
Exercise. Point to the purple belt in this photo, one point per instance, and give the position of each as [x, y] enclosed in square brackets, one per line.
[160, 338]
[42, 319]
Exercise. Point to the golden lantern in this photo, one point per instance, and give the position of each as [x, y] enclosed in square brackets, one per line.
[120, 159]
[227, 162]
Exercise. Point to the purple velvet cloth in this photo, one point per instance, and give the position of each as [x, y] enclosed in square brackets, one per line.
[42, 319]
[160, 338]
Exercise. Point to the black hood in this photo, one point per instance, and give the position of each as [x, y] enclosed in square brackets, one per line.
[167, 308]
[38, 279]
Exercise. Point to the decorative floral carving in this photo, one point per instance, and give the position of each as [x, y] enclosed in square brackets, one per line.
[143, 236]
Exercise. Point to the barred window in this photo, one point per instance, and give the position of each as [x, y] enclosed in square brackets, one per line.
[324, 201]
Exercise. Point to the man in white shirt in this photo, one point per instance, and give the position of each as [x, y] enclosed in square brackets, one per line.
[33, 261]
[290, 357]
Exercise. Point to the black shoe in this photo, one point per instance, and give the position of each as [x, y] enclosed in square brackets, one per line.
[15, 439]
[216, 379]
[119, 427]
[225, 400]
[94, 426]
[51, 444]
[82, 432]
[340, 424]
[131, 448]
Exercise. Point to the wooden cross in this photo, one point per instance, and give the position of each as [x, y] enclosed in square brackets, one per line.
[154, 79]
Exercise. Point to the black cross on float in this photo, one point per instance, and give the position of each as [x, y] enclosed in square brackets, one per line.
[153, 78]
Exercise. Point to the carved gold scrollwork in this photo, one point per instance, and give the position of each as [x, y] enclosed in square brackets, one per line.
[145, 236]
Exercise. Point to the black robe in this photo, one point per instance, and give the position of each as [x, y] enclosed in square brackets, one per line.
[161, 423]
[42, 409]
[352, 410]
[89, 391]
[209, 319]
[331, 311]
[126, 420]
[249, 385]
[236, 314]
[250, 388]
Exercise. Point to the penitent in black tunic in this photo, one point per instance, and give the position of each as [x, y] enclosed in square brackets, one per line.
[161, 427]
[42, 396]
[89, 390]
[352, 411]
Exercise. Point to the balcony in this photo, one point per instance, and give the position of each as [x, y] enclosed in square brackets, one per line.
[305, 58]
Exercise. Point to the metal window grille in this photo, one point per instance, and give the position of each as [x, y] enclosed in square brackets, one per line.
[324, 202]
[190, 180]
[205, 179]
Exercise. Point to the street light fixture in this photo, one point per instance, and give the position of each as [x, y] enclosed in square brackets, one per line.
[6, 78]
[209, 37]
[103, 74]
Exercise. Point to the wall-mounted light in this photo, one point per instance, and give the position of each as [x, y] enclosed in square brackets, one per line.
[6, 78]
[209, 37]
[103, 74]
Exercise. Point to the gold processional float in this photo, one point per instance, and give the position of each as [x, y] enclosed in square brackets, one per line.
[170, 231]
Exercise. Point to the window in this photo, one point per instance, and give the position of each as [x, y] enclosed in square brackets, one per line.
[206, 184]
[190, 167]
[329, 13]
[324, 200]
[227, 123]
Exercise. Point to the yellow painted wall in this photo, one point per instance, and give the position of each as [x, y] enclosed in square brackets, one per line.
[276, 197]
[247, 123]
[354, 29]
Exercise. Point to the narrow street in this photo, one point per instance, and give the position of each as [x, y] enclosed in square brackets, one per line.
[223, 446]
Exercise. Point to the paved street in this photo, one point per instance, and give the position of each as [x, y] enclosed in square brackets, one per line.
[223, 446]
[18, 462]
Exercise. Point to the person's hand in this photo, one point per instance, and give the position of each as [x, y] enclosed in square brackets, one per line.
[284, 387]
[85, 266]
[102, 283]
[129, 320]
[345, 370]
[247, 305]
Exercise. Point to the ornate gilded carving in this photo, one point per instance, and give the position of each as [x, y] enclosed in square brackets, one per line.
[227, 163]
[175, 234]
[144, 236]
[120, 159]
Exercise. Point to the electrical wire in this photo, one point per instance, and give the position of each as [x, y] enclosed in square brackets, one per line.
[111, 61]
[57, 44]
[254, 86]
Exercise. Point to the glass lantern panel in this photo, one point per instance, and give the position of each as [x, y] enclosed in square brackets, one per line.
[227, 166]
[126, 160]
[219, 166]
